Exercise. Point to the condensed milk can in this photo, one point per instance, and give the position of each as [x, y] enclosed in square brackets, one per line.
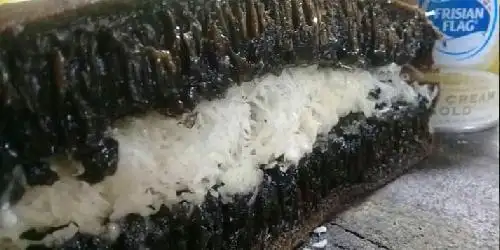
[466, 58]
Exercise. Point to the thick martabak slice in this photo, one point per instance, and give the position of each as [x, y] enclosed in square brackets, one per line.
[204, 124]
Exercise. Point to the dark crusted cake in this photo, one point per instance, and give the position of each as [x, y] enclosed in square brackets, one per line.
[214, 124]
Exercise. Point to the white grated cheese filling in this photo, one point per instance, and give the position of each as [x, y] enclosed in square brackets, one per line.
[228, 140]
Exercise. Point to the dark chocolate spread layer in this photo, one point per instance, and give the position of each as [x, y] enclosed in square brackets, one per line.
[67, 75]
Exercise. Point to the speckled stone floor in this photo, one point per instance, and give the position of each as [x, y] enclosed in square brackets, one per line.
[451, 201]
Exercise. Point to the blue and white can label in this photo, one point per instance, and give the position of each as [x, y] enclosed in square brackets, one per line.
[469, 27]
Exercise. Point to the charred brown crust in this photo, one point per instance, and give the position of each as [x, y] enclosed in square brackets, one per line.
[66, 76]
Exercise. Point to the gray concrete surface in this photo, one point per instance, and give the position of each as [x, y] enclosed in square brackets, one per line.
[451, 201]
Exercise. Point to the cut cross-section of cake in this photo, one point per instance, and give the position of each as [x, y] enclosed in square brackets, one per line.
[160, 124]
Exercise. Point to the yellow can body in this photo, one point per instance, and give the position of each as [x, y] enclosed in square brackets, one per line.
[468, 63]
